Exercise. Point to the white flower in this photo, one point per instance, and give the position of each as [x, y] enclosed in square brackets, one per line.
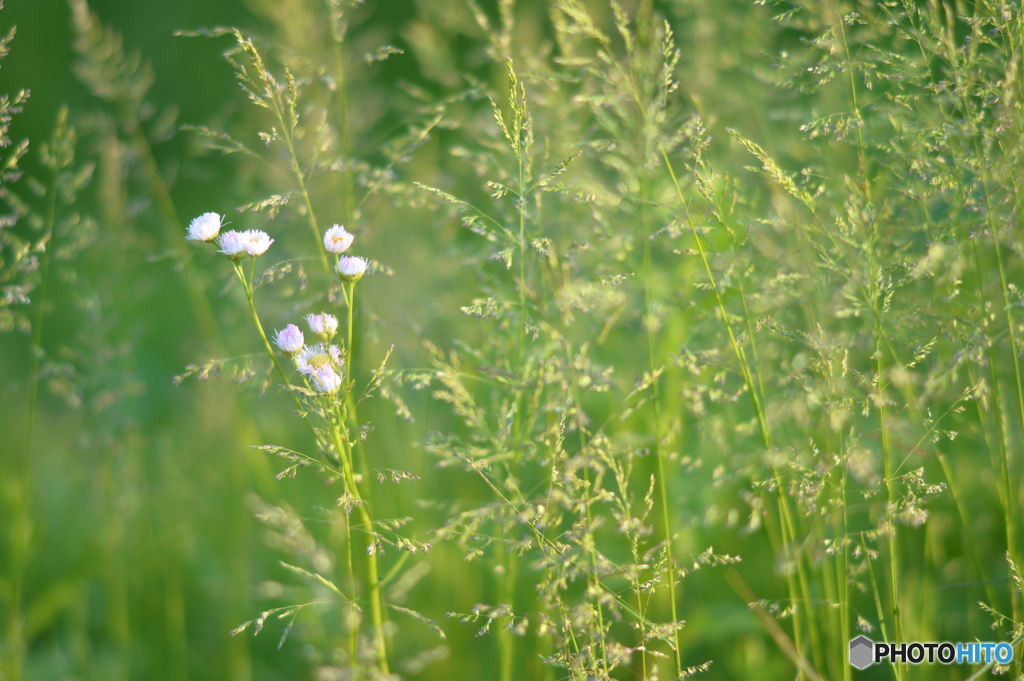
[250, 242]
[323, 324]
[335, 352]
[312, 358]
[257, 242]
[232, 244]
[326, 380]
[204, 228]
[289, 339]
[351, 268]
[337, 239]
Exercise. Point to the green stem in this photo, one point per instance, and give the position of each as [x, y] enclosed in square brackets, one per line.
[353, 633]
[346, 132]
[1004, 462]
[861, 147]
[350, 302]
[345, 455]
[249, 296]
[755, 398]
[883, 621]
[288, 134]
[377, 611]
[1006, 492]
[22, 522]
[890, 497]
[660, 477]
[506, 642]
[37, 327]
[876, 314]
[787, 524]
[348, 289]
[341, 443]
[593, 577]
[842, 571]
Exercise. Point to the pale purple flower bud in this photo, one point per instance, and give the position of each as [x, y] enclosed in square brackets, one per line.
[323, 324]
[351, 268]
[232, 244]
[289, 339]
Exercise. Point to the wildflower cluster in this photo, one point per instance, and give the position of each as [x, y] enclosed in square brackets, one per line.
[324, 389]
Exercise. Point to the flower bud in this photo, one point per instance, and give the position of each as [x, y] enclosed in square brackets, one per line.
[232, 244]
[289, 340]
[351, 268]
[323, 325]
[206, 227]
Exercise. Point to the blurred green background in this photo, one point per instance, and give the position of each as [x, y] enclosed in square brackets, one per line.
[134, 509]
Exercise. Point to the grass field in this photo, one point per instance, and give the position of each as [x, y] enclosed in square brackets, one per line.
[581, 339]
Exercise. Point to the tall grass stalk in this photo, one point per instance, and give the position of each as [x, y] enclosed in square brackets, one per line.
[661, 476]
[876, 313]
[58, 158]
[799, 590]
[376, 607]
[1004, 462]
[342, 440]
[22, 523]
[41, 302]
[633, 75]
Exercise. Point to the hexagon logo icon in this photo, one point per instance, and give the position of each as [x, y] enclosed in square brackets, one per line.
[862, 652]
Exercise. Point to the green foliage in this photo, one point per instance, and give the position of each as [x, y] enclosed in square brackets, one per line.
[689, 342]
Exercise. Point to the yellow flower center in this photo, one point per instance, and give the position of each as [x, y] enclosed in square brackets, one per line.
[319, 360]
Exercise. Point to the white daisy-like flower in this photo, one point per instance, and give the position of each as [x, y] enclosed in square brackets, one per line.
[289, 339]
[315, 357]
[326, 380]
[311, 358]
[337, 239]
[323, 324]
[206, 227]
[232, 244]
[351, 268]
[257, 242]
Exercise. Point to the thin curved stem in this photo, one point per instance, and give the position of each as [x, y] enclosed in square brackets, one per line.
[247, 287]
[288, 134]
